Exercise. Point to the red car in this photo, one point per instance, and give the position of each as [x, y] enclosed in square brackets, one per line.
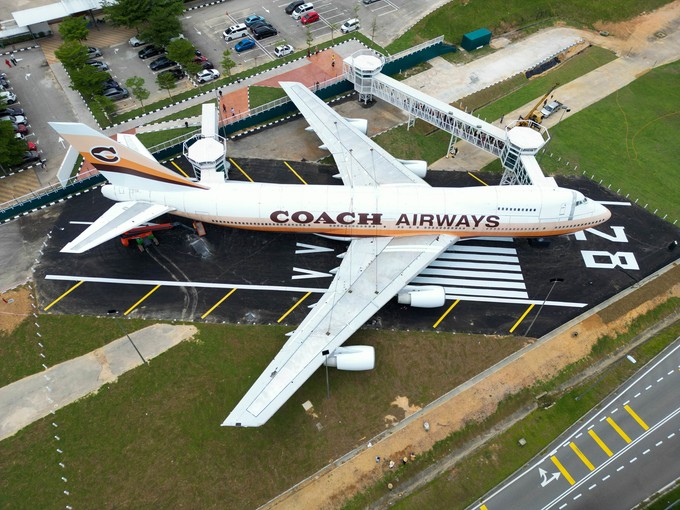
[32, 146]
[310, 17]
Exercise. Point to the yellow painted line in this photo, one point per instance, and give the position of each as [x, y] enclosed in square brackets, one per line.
[600, 442]
[583, 458]
[477, 178]
[519, 321]
[294, 307]
[564, 472]
[218, 303]
[483, 507]
[445, 313]
[241, 170]
[296, 174]
[618, 429]
[145, 296]
[63, 295]
[636, 417]
[178, 168]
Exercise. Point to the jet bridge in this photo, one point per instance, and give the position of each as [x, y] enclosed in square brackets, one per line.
[516, 145]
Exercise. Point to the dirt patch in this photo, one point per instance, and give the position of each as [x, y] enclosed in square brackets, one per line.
[15, 307]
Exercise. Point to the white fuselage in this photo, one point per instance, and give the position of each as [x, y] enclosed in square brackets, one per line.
[387, 210]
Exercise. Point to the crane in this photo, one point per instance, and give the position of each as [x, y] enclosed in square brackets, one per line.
[534, 115]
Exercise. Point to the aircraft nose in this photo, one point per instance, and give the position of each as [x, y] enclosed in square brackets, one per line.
[603, 213]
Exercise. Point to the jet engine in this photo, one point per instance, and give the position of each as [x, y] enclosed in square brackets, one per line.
[352, 357]
[430, 296]
[417, 166]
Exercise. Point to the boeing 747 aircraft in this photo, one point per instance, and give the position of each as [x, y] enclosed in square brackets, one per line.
[396, 223]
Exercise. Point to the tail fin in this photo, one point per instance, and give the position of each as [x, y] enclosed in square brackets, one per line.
[121, 165]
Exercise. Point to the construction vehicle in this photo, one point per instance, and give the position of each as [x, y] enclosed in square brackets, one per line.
[144, 236]
[535, 117]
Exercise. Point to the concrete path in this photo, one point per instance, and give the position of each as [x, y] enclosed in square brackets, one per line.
[36, 396]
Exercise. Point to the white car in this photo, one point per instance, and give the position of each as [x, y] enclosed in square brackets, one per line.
[207, 75]
[136, 41]
[283, 50]
[350, 26]
[550, 108]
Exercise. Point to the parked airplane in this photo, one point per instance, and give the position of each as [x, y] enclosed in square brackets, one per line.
[397, 224]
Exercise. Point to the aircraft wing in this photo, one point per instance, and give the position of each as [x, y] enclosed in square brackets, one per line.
[120, 218]
[366, 163]
[372, 271]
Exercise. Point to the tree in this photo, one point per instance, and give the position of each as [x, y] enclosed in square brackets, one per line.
[88, 80]
[74, 29]
[374, 27]
[163, 22]
[11, 148]
[166, 81]
[227, 62]
[72, 55]
[333, 27]
[309, 38]
[128, 13]
[183, 52]
[355, 9]
[107, 105]
[136, 86]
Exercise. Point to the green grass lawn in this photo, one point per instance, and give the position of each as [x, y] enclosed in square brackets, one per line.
[154, 138]
[257, 96]
[500, 16]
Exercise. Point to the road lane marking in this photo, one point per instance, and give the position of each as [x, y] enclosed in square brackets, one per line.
[592, 487]
[636, 418]
[293, 307]
[483, 507]
[583, 458]
[669, 373]
[608, 476]
[519, 321]
[477, 178]
[619, 468]
[673, 434]
[646, 451]
[138, 302]
[296, 174]
[562, 506]
[178, 168]
[445, 313]
[659, 443]
[63, 295]
[632, 460]
[615, 409]
[618, 429]
[626, 403]
[578, 435]
[603, 418]
[564, 472]
[659, 379]
[240, 170]
[599, 441]
[648, 387]
[218, 303]
[636, 395]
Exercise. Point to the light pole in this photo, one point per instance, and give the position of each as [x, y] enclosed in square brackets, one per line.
[554, 282]
[116, 313]
[564, 110]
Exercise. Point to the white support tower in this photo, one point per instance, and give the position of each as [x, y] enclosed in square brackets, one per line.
[515, 145]
[207, 150]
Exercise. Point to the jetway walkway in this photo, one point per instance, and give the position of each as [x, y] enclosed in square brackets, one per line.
[516, 145]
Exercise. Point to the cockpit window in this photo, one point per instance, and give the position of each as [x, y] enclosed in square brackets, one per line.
[580, 199]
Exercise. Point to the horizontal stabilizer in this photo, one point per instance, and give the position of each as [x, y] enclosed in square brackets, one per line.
[120, 218]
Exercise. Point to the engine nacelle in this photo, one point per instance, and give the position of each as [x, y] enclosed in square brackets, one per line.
[353, 357]
[431, 296]
[417, 166]
[360, 125]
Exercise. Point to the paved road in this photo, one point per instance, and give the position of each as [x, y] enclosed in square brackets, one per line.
[618, 455]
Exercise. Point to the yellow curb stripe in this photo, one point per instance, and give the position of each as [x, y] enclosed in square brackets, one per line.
[138, 302]
[600, 442]
[293, 307]
[618, 429]
[477, 178]
[583, 458]
[296, 174]
[218, 303]
[240, 170]
[178, 168]
[636, 417]
[564, 472]
[519, 321]
[63, 295]
[445, 313]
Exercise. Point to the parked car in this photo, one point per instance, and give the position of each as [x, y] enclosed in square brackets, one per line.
[264, 31]
[283, 50]
[301, 9]
[31, 146]
[350, 26]
[260, 24]
[162, 63]
[20, 128]
[550, 108]
[110, 83]
[200, 58]
[30, 157]
[8, 97]
[309, 17]
[207, 75]
[293, 5]
[99, 64]
[369, 1]
[15, 119]
[12, 111]
[207, 65]
[176, 73]
[4, 82]
[252, 19]
[244, 44]
[116, 94]
[150, 51]
[235, 32]
[93, 52]
[136, 41]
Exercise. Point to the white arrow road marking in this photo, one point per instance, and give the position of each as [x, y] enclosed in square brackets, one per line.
[310, 248]
[544, 475]
[308, 273]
